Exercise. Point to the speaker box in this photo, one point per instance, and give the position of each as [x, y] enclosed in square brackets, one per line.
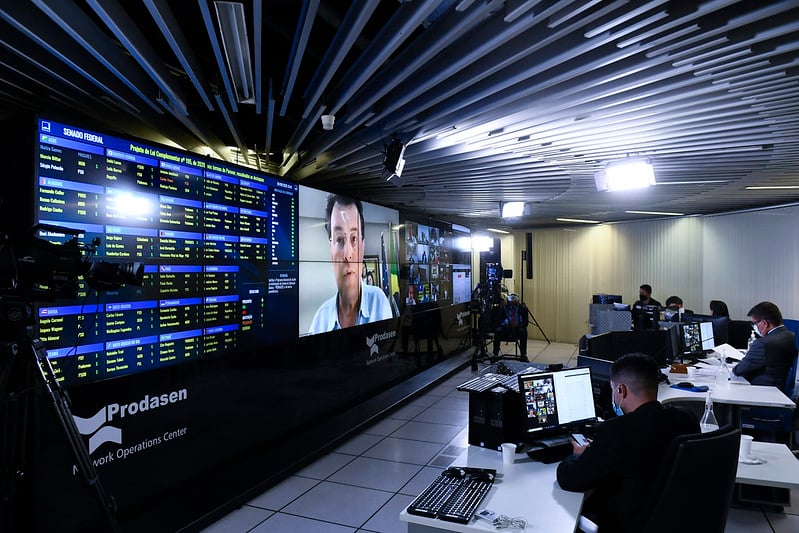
[529, 255]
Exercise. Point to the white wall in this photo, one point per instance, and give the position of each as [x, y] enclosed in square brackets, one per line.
[741, 258]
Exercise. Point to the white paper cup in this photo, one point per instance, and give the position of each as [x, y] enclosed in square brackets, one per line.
[508, 453]
[746, 446]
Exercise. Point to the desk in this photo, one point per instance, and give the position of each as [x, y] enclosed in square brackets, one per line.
[722, 391]
[781, 469]
[526, 489]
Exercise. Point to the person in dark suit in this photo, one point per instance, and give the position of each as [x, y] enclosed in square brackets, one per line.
[622, 461]
[511, 323]
[771, 355]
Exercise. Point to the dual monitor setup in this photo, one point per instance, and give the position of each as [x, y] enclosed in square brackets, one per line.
[556, 402]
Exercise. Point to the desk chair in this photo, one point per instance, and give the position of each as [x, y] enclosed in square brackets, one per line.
[698, 471]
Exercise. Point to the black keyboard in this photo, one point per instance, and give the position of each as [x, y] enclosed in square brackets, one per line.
[454, 495]
[489, 381]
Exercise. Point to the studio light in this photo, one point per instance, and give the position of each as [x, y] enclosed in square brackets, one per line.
[394, 162]
[482, 243]
[512, 209]
[625, 174]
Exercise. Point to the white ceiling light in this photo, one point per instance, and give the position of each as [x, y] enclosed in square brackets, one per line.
[512, 209]
[625, 174]
[578, 220]
[661, 213]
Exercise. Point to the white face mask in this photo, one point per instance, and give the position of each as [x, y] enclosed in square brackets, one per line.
[756, 332]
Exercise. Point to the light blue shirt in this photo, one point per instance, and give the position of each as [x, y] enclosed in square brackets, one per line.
[374, 306]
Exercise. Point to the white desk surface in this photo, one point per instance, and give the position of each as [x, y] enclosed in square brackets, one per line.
[527, 489]
[723, 391]
[780, 470]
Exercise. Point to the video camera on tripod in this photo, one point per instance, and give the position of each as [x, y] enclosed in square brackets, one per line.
[488, 293]
[34, 269]
[37, 268]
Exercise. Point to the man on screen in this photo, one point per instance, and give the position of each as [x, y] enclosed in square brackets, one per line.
[355, 302]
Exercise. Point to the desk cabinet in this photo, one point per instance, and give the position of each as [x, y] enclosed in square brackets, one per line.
[495, 416]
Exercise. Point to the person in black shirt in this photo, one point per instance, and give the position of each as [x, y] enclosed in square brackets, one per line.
[645, 296]
[718, 308]
[622, 461]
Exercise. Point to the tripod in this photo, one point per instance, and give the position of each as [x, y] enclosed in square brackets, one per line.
[32, 353]
[534, 322]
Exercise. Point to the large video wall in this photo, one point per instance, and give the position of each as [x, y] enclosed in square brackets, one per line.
[218, 243]
[234, 259]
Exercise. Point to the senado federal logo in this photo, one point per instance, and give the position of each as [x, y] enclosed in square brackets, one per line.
[99, 429]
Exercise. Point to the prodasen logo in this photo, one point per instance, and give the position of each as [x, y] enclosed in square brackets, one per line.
[99, 433]
[460, 316]
[371, 342]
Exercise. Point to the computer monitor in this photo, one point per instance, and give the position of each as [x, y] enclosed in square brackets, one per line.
[645, 317]
[721, 325]
[691, 338]
[661, 344]
[706, 335]
[606, 299]
[556, 401]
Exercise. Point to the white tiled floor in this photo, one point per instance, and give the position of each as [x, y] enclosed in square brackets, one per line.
[364, 484]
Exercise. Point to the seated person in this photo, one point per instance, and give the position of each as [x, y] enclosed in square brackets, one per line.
[718, 308]
[643, 319]
[771, 355]
[511, 323]
[622, 461]
[674, 307]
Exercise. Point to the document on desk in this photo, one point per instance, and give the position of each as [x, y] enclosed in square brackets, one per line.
[737, 379]
[728, 351]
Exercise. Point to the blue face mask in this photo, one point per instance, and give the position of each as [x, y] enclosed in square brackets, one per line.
[616, 408]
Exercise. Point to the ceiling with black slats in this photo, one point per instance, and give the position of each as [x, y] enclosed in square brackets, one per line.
[494, 101]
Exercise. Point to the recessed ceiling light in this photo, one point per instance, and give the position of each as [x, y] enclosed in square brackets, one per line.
[498, 231]
[662, 213]
[772, 187]
[579, 221]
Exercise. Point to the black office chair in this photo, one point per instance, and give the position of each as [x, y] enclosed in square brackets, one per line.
[697, 480]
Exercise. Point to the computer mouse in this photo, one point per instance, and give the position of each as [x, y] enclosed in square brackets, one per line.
[482, 476]
[454, 471]
[685, 385]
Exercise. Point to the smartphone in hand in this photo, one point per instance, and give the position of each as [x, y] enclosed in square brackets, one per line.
[580, 439]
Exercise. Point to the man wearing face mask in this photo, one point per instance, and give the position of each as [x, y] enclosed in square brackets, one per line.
[645, 296]
[621, 462]
[771, 355]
